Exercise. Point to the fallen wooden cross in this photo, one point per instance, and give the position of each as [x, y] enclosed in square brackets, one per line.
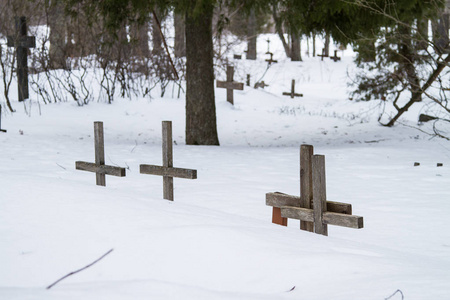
[292, 93]
[99, 167]
[335, 57]
[260, 84]
[167, 170]
[271, 60]
[1, 130]
[237, 56]
[230, 85]
[22, 42]
[312, 208]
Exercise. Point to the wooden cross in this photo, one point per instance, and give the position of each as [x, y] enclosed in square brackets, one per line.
[335, 57]
[323, 54]
[312, 208]
[22, 42]
[230, 85]
[268, 46]
[167, 170]
[271, 60]
[1, 130]
[292, 93]
[260, 84]
[99, 167]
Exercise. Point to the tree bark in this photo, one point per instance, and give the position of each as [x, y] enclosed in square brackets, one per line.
[279, 30]
[251, 36]
[327, 44]
[295, 48]
[156, 34]
[139, 39]
[201, 128]
[180, 45]
[57, 36]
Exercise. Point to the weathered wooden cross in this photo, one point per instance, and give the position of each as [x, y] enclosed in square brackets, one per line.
[230, 85]
[292, 93]
[335, 57]
[323, 54]
[22, 42]
[268, 46]
[1, 130]
[271, 60]
[312, 208]
[260, 84]
[167, 170]
[99, 167]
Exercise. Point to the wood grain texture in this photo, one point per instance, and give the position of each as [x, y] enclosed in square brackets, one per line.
[230, 85]
[100, 169]
[172, 172]
[330, 218]
[319, 194]
[99, 151]
[167, 158]
[306, 190]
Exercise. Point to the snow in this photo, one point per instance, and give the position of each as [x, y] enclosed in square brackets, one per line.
[216, 240]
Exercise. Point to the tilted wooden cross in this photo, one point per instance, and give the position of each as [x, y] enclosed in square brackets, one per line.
[335, 57]
[271, 60]
[312, 208]
[1, 130]
[230, 85]
[22, 42]
[292, 93]
[99, 167]
[167, 170]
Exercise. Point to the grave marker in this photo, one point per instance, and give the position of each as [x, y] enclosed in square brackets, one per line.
[99, 167]
[230, 85]
[260, 84]
[335, 57]
[271, 60]
[268, 46]
[292, 93]
[22, 42]
[167, 170]
[1, 130]
[312, 208]
[323, 54]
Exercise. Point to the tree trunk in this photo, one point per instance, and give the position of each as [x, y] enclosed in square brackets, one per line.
[440, 33]
[201, 128]
[422, 37]
[295, 50]
[139, 39]
[180, 45]
[327, 44]
[279, 30]
[156, 34]
[251, 36]
[57, 36]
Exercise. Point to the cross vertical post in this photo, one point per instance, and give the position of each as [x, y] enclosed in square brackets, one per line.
[167, 158]
[306, 188]
[292, 94]
[230, 74]
[99, 144]
[319, 192]
[22, 42]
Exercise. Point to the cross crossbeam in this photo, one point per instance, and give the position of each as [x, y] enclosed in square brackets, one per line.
[312, 209]
[99, 167]
[230, 84]
[22, 42]
[292, 93]
[167, 170]
[323, 54]
[271, 60]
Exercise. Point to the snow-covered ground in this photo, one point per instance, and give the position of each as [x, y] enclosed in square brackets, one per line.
[216, 240]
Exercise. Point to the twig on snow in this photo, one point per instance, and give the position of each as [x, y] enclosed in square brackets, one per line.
[74, 272]
[397, 291]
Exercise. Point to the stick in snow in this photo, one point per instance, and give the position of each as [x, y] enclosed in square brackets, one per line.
[74, 272]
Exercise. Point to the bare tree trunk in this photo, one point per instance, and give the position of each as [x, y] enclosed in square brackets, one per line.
[296, 50]
[201, 127]
[180, 44]
[251, 36]
[139, 39]
[279, 30]
[327, 44]
[440, 33]
[57, 36]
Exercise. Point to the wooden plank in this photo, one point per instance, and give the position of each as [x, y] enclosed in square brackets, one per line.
[330, 218]
[343, 220]
[100, 169]
[230, 85]
[278, 199]
[319, 193]
[306, 190]
[277, 218]
[99, 151]
[167, 147]
[172, 172]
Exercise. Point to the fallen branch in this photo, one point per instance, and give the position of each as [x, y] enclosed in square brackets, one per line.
[397, 291]
[74, 272]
